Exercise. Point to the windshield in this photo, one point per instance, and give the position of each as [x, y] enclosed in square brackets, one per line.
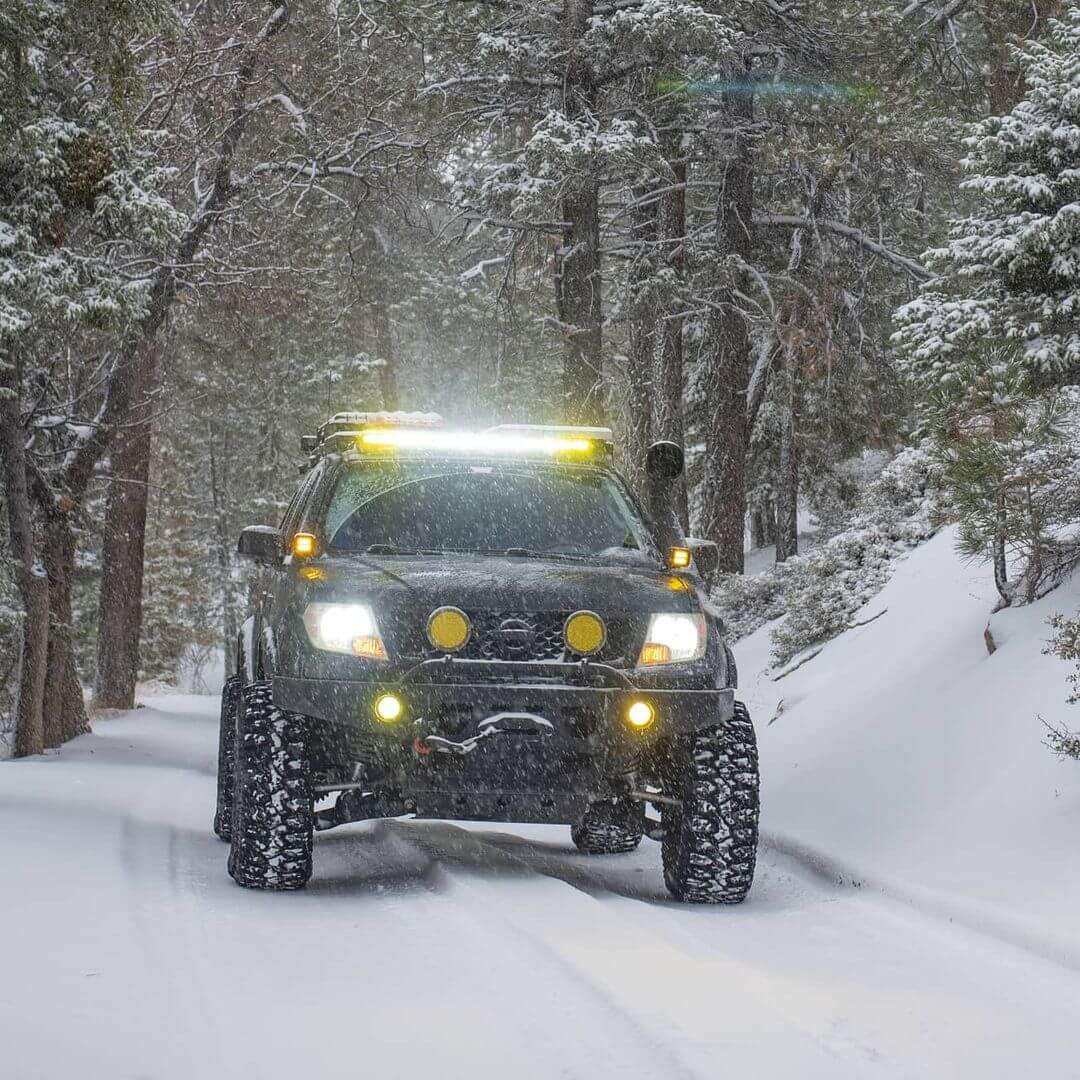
[394, 507]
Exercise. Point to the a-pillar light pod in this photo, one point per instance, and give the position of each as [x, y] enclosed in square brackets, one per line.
[304, 545]
[679, 558]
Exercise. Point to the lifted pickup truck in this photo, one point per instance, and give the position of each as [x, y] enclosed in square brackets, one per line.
[483, 626]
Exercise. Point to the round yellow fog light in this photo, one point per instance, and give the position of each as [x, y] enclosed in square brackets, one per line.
[585, 633]
[448, 628]
[388, 708]
[640, 714]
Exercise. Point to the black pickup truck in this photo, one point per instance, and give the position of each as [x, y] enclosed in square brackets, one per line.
[483, 626]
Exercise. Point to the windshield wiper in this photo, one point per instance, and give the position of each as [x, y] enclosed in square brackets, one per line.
[512, 552]
[528, 553]
[390, 549]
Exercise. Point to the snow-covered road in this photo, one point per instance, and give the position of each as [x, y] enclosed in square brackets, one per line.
[433, 950]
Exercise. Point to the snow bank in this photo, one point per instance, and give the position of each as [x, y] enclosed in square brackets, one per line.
[473, 951]
[917, 761]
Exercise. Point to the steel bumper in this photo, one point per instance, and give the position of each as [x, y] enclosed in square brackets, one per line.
[549, 689]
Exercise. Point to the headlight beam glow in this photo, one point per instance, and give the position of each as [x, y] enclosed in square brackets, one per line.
[673, 638]
[344, 628]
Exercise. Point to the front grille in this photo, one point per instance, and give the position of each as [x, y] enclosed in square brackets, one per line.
[533, 635]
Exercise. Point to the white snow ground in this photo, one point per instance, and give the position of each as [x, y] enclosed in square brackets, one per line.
[915, 912]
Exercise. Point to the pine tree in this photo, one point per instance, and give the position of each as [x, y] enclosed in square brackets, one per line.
[81, 217]
[986, 340]
[1011, 268]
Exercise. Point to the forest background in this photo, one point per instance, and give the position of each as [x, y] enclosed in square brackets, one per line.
[832, 248]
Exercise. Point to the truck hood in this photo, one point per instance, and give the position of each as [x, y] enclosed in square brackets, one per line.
[497, 582]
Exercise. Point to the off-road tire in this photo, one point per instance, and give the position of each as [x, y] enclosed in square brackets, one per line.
[230, 697]
[709, 846]
[608, 828]
[273, 806]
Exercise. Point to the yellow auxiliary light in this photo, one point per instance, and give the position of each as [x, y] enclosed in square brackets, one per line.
[448, 628]
[478, 442]
[679, 558]
[585, 633]
[640, 714]
[303, 545]
[389, 708]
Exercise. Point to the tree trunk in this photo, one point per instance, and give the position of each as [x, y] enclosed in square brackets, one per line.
[763, 524]
[1006, 25]
[219, 494]
[1000, 430]
[123, 548]
[787, 481]
[64, 709]
[1001, 563]
[33, 665]
[641, 337]
[727, 358]
[577, 262]
[135, 351]
[577, 296]
[668, 413]
[384, 350]
[29, 574]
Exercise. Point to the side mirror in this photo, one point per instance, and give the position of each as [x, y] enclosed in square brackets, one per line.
[664, 460]
[706, 555]
[262, 543]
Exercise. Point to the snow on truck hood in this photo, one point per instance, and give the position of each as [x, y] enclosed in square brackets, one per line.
[486, 582]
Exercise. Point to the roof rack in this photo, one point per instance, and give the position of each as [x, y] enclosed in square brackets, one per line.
[357, 421]
[341, 431]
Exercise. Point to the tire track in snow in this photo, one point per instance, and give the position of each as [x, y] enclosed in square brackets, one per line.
[218, 963]
[990, 924]
[800, 973]
[634, 963]
[158, 850]
[524, 988]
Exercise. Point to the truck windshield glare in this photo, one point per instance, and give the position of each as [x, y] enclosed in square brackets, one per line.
[478, 509]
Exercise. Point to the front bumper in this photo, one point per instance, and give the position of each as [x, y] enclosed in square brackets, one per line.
[559, 692]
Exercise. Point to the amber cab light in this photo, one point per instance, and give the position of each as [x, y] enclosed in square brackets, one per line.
[679, 558]
[303, 545]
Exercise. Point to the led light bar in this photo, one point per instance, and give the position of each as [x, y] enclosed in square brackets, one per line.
[466, 442]
[597, 434]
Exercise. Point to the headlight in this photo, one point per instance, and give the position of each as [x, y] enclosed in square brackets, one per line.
[344, 628]
[673, 639]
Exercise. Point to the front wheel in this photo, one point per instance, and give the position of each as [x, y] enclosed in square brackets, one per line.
[709, 847]
[273, 811]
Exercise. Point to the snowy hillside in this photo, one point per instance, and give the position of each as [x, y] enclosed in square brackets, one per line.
[486, 951]
[906, 757]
